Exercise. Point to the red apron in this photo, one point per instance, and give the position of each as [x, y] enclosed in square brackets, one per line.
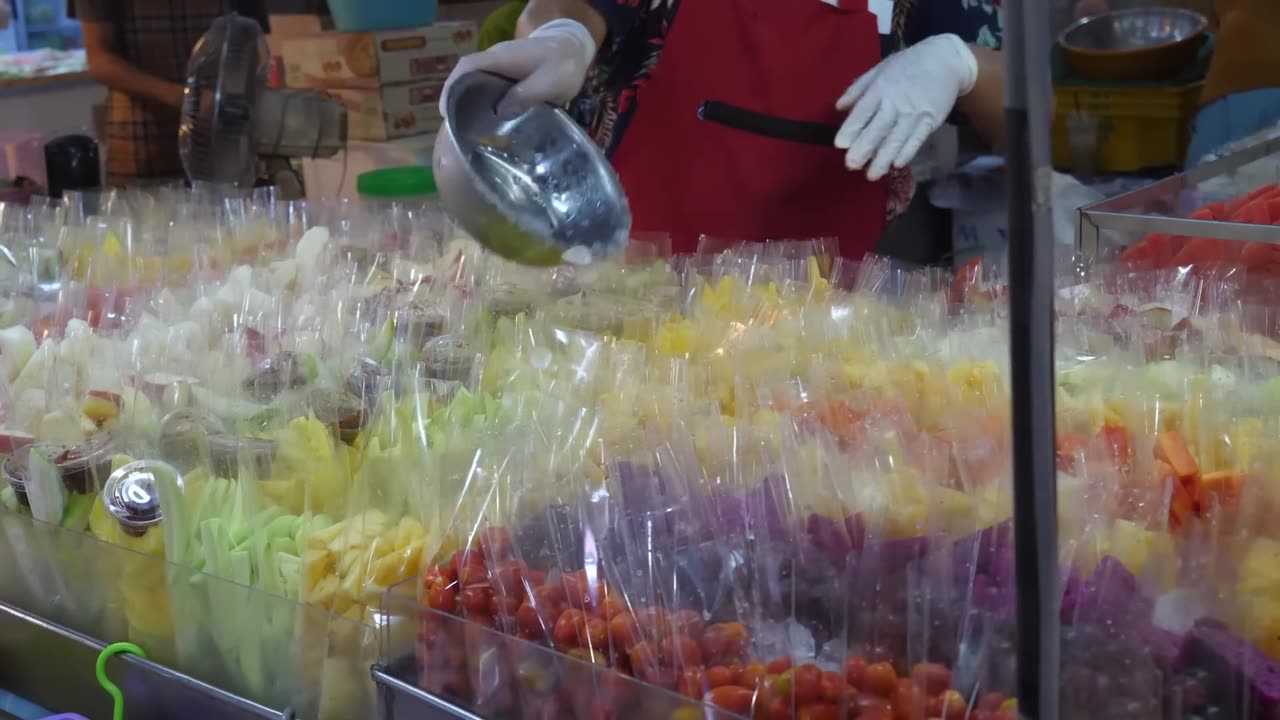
[789, 59]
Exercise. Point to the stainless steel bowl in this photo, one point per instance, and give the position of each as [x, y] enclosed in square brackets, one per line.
[535, 188]
[1144, 44]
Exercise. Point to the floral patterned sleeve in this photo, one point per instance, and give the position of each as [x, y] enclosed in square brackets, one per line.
[980, 22]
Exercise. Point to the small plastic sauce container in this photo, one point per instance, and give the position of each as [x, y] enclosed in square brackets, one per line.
[404, 199]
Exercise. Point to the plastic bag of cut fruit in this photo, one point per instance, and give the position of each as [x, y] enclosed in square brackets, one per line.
[260, 473]
[471, 596]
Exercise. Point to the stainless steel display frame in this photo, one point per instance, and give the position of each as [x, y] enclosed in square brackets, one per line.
[1124, 213]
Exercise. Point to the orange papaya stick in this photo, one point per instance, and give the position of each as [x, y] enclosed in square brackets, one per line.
[1228, 486]
[1172, 449]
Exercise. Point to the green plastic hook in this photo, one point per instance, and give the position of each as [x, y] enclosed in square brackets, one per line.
[100, 670]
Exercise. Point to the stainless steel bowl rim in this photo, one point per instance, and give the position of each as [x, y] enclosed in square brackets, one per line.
[1202, 24]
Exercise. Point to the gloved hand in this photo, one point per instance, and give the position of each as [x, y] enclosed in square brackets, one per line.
[898, 104]
[548, 66]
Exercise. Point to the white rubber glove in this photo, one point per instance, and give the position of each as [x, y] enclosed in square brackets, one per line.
[548, 66]
[898, 104]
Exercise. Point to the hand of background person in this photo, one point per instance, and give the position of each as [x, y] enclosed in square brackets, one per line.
[1089, 8]
[6, 12]
[548, 66]
[898, 104]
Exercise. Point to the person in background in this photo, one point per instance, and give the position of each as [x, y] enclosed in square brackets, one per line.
[6, 13]
[1241, 94]
[139, 50]
[691, 101]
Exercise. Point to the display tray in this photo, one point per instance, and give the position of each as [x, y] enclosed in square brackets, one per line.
[198, 630]
[52, 666]
[1210, 201]
[399, 698]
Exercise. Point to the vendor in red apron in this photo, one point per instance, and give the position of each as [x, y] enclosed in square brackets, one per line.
[747, 120]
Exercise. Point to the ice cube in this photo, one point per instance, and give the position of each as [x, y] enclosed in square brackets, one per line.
[1177, 611]
[833, 655]
[788, 638]
[577, 255]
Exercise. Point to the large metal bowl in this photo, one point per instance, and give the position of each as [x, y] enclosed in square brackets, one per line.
[534, 188]
[1141, 45]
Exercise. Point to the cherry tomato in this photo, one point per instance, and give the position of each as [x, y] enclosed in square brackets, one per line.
[876, 713]
[570, 628]
[872, 703]
[778, 666]
[779, 709]
[624, 632]
[654, 623]
[855, 672]
[731, 698]
[682, 651]
[687, 622]
[719, 676]
[508, 577]
[475, 599]
[909, 701]
[831, 687]
[463, 558]
[807, 684]
[818, 711]
[931, 677]
[783, 684]
[953, 706]
[644, 658]
[434, 574]
[752, 675]
[597, 633]
[880, 679]
[443, 598]
[495, 543]
[724, 642]
[473, 575]
[610, 607]
[991, 702]
[503, 606]
[546, 596]
[691, 683]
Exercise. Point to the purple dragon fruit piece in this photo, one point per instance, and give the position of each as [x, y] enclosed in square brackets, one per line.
[766, 507]
[1072, 589]
[1235, 664]
[1166, 647]
[1112, 594]
[829, 536]
[893, 556]
[856, 526]
[727, 512]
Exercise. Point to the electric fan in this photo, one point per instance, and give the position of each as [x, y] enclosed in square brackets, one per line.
[230, 117]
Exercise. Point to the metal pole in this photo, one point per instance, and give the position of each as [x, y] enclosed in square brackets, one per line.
[1035, 514]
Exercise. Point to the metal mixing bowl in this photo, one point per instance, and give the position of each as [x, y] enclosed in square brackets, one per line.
[534, 188]
[1145, 44]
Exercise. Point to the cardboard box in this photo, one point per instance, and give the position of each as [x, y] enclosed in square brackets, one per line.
[393, 111]
[284, 27]
[378, 59]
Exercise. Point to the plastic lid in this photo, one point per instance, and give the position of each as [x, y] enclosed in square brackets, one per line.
[397, 182]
